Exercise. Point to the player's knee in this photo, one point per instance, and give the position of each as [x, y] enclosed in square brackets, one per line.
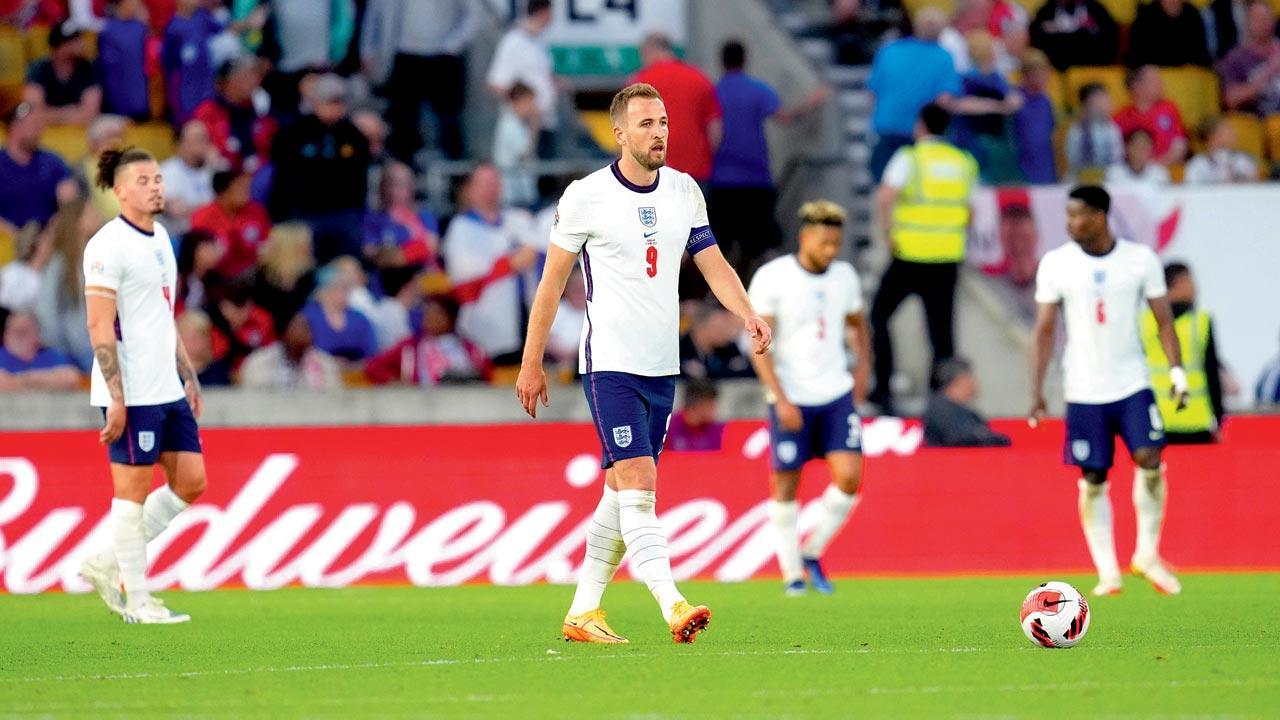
[784, 487]
[1095, 481]
[1147, 458]
[191, 485]
[848, 482]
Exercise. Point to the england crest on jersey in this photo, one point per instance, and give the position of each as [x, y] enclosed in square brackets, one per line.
[622, 436]
[649, 216]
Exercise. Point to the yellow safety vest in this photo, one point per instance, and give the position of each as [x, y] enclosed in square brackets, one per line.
[1193, 337]
[932, 213]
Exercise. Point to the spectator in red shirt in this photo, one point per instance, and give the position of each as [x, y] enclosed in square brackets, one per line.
[240, 133]
[238, 325]
[239, 224]
[1150, 111]
[694, 428]
[693, 111]
[432, 355]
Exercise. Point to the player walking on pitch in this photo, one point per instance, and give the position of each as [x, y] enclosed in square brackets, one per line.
[629, 225]
[1100, 283]
[143, 381]
[810, 299]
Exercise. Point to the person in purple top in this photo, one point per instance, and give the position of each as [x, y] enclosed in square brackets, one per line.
[122, 53]
[186, 59]
[743, 196]
[336, 328]
[1033, 123]
[694, 428]
[27, 365]
[33, 182]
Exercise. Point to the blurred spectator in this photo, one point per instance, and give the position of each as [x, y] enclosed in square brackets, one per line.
[392, 314]
[337, 328]
[1093, 142]
[33, 182]
[1221, 162]
[20, 278]
[485, 250]
[1033, 123]
[104, 132]
[968, 18]
[400, 233]
[1019, 241]
[949, 418]
[906, 75]
[709, 350]
[694, 427]
[285, 276]
[239, 224]
[240, 132]
[1075, 32]
[187, 59]
[374, 129]
[415, 48]
[25, 364]
[515, 144]
[195, 333]
[1008, 22]
[522, 57]
[432, 355]
[743, 196]
[321, 173]
[857, 26]
[292, 363]
[1168, 33]
[122, 60]
[692, 108]
[1139, 166]
[1227, 24]
[1267, 391]
[985, 100]
[65, 82]
[239, 325]
[188, 177]
[1149, 110]
[566, 331]
[1251, 72]
[198, 256]
[61, 307]
[303, 36]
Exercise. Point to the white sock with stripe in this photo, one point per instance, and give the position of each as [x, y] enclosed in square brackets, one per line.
[130, 545]
[837, 506]
[783, 517]
[1095, 519]
[161, 507]
[1149, 492]
[604, 551]
[647, 541]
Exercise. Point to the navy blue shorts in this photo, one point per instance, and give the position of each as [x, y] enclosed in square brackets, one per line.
[631, 413]
[152, 429]
[1092, 429]
[834, 427]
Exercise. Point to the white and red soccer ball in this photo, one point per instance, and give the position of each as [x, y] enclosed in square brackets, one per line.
[1055, 615]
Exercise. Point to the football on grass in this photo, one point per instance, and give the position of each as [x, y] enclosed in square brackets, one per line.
[1055, 615]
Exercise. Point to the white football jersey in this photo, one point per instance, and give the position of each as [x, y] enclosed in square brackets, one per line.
[1102, 299]
[809, 312]
[631, 241]
[141, 268]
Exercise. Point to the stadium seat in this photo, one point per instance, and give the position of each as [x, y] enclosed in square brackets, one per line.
[6, 248]
[913, 6]
[355, 378]
[1249, 135]
[68, 141]
[36, 41]
[13, 62]
[1110, 76]
[1195, 91]
[436, 283]
[601, 128]
[504, 375]
[1177, 173]
[1122, 11]
[1272, 128]
[154, 137]
[156, 95]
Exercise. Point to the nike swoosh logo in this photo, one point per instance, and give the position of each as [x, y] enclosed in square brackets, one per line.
[650, 234]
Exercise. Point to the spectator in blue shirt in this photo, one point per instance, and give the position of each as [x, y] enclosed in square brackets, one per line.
[1033, 123]
[743, 195]
[122, 54]
[186, 58]
[26, 365]
[33, 182]
[336, 327]
[906, 75]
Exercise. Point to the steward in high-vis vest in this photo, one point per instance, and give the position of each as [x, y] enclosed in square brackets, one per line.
[923, 205]
[1198, 422]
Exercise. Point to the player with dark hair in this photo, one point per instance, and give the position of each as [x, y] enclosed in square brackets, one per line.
[1101, 283]
[142, 379]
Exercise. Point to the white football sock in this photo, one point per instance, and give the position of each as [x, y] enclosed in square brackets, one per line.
[1095, 519]
[837, 506]
[130, 548]
[604, 551]
[1148, 503]
[647, 541]
[783, 516]
[161, 507]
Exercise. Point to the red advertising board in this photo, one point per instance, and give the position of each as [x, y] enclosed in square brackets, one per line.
[507, 504]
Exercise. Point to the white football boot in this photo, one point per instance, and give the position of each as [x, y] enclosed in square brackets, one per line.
[153, 612]
[105, 579]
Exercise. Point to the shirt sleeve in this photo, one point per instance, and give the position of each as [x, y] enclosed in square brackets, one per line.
[1047, 291]
[854, 303]
[898, 172]
[572, 224]
[700, 235]
[763, 294]
[502, 70]
[772, 103]
[102, 268]
[1153, 276]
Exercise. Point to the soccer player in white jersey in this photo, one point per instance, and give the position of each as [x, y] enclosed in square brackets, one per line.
[814, 304]
[630, 225]
[143, 381]
[1100, 283]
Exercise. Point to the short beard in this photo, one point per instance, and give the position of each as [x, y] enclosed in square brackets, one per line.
[643, 160]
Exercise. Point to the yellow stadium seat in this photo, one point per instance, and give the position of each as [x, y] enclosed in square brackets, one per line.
[6, 248]
[90, 44]
[154, 137]
[505, 375]
[1177, 173]
[1122, 11]
[13, 57]
[1111, 77]
[68, 141]
[36, 42]
[355, 378]
[914, 6]
[600, 126]
[1249, 135]
[1060, 147]
[1195, 91]
[1271, 126]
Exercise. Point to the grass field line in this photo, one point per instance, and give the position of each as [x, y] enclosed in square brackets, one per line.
[551, 656]
[1032, 687]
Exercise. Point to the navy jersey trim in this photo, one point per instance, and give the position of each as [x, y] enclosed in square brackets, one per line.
[700, 238]
[586, 267]
[136, 228]
[617, 173]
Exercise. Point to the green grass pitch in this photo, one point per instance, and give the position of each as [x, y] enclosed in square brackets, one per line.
[879, 647]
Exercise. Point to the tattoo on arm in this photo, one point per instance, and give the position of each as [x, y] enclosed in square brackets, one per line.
[187, 371]
[109, 363]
